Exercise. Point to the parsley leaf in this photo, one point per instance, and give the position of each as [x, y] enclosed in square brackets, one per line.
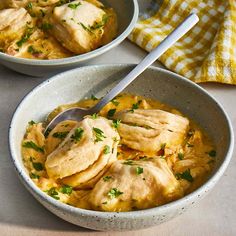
[31, 122]
[111, 112]
[74, 6]
[46, 26]
[114, 192]
[180, 156]
[60, 135]
[135, 105]
[139, 170]
[190, 145]
[77, 134]
[128, 162]
[34, 176]
[106, 178]
[53, 193]
[47, 132]
[185, 175]
[66, 189]
[116, 123]
[106, 150]
[99, 134]
[115, 102]
[94, 116]
[94, 98]
[32, 145]
[37, 166]
[212, 153]
[25, 37]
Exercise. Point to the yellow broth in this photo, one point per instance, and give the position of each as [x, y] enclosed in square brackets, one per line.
[191, 164]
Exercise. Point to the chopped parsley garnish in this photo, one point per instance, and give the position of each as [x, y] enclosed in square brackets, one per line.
[33, 51]
[47, 132]
[99, 134]
[66, 189]
[111, 112]
[42, 13]
[190, 145]
[29, 5]
[77, 134]
[115, 102]
[185, 175]
[116, 123]
[34, 176]
[94, 116]
[25, 37]
[74, 5]
[135, 106]
[46, 26]
[31, 122]
[85, 27]
[37, 166]
[100, 24]
[114, 192]
[128, 162]
[139, 170]
[60, 135]
[115, 139]
[106, 178]
[180, 155]
[32, 145]
[212, 153]
[94, 98]
[107, 149]
[53, 193]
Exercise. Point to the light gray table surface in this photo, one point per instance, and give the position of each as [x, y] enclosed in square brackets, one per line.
[21, 214]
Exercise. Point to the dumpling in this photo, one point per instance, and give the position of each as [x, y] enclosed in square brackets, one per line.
[149, 130]
[82, 26]
[13, 24]
[91, 142]
[130, 185]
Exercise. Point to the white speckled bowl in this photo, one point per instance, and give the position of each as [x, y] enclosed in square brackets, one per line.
[127, 15]
[155, 83]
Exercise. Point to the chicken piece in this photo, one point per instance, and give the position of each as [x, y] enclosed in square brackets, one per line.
[13, 24]
[37, 45]
[151, 130]
[130, 185]
[82, 26]
[90, 140]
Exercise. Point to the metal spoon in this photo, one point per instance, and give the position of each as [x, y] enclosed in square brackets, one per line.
[78, 113]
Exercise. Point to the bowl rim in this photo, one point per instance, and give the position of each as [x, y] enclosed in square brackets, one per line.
[81, 57]
[29, 184]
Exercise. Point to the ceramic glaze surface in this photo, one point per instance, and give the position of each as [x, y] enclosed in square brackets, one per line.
[154, 83]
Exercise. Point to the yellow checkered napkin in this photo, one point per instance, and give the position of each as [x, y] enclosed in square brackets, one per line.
[205, 54]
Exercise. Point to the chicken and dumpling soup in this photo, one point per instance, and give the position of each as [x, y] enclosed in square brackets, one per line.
[137, 153]
[53, 29]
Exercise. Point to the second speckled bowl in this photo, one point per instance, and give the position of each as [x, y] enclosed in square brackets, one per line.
[127, 15]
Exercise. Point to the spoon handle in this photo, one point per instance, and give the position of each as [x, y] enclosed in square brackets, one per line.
[174, 36]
